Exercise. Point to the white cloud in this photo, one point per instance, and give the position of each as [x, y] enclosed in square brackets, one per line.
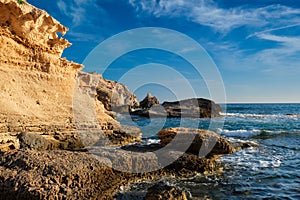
[62, 6]
[207, 13]
[287, 52]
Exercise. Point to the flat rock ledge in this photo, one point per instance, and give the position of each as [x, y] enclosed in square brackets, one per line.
[99, 173]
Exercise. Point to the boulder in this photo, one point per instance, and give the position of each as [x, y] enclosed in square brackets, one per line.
[149, 101]
[165, 191]
[195, 141]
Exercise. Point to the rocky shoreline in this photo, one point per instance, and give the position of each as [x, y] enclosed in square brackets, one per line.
[53, 147]
[61, 174]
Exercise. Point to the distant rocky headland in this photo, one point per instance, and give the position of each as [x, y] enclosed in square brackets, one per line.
[43, 155]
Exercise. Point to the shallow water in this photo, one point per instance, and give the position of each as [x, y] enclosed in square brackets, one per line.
[269, 171]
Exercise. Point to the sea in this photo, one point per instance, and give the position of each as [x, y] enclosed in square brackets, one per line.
[269, 169]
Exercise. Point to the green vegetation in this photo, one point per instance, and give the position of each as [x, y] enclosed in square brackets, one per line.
[21, 1]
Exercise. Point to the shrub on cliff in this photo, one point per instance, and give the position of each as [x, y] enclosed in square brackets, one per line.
[21, 1]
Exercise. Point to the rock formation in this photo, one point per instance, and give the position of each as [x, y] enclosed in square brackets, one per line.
[56, 175]
[198, 142]
[47, 107]
[114, 95]
[164, 191]
[194, 108]
[149, 101]
[37, 85]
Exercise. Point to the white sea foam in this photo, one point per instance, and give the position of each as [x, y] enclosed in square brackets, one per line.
[262, 116]
[239, 133]
[152, 141]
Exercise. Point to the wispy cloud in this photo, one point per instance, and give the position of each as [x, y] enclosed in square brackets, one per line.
[287, 52]
[273, 29]
[208, 13]
[76, 10]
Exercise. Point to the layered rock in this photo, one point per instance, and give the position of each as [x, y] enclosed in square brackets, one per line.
[37, 85]
[93, 120]
[114, 95]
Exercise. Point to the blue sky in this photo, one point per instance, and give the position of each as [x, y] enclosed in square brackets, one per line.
[255, 44]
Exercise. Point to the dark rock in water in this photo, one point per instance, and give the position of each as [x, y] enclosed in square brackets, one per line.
[149, 101]
[186, 164]
[195, 108]
[153, 112]
[195, 141]
[164, 191]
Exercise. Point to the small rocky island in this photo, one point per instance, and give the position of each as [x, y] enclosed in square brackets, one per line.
[192, 108]
[45, 153]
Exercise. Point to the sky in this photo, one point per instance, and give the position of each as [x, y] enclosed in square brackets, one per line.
[253, 46]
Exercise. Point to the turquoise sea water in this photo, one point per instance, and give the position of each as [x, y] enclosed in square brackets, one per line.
[269, 171]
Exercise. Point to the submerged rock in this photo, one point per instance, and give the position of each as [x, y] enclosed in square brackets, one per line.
[164, 191]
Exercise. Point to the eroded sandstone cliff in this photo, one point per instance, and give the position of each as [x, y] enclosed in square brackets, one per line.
[36, 84]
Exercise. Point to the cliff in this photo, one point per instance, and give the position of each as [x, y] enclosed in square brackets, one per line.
[36, 84]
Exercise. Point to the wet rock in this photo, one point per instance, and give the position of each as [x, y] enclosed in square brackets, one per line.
[149, 101]
[164, 191]
[186, 164]
[195, 141]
